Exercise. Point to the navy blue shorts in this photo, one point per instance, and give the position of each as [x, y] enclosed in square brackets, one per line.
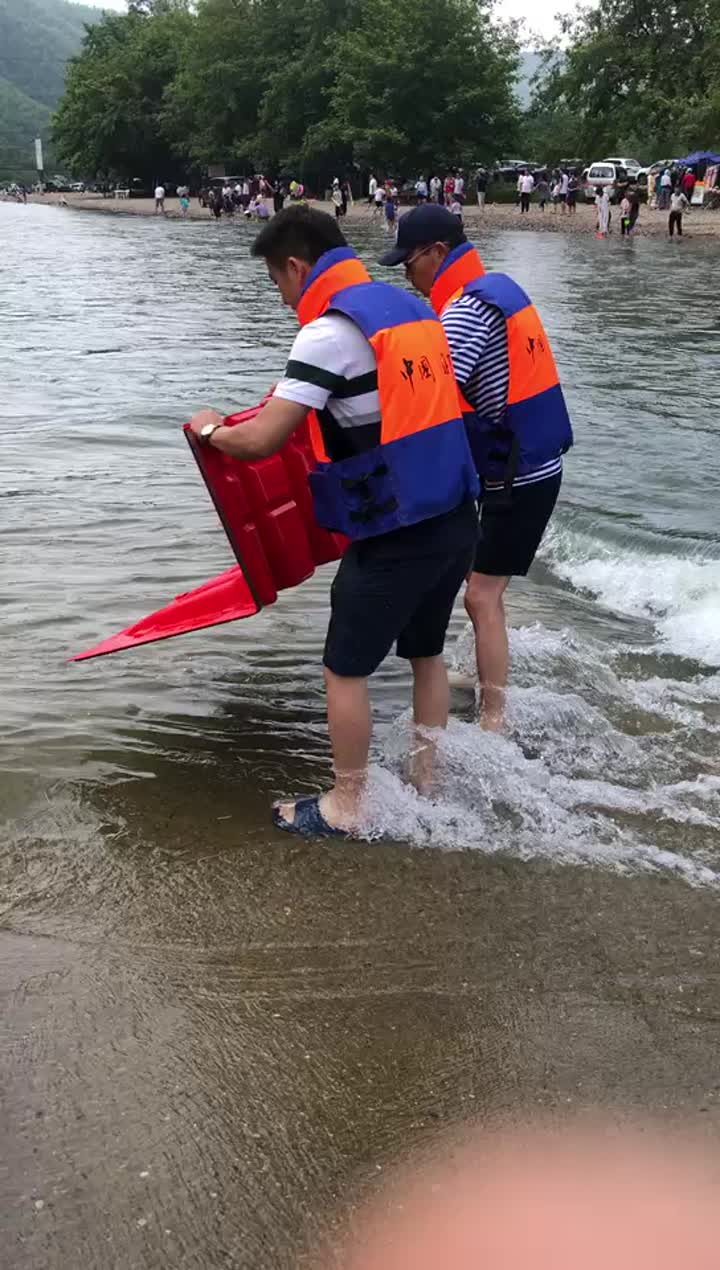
[399, 588]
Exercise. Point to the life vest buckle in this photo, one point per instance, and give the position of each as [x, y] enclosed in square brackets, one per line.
[361, 483]
[370, 511]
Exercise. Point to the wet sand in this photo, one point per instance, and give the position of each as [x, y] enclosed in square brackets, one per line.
[216, 1074]
[698, 222]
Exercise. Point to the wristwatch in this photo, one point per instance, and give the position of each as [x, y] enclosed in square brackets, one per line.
[207, 431]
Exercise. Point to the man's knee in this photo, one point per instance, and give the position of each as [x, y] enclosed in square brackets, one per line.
[483, 597]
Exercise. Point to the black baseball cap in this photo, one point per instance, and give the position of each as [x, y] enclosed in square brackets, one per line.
[422, 226]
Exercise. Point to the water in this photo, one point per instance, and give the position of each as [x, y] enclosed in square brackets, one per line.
[256, 1024]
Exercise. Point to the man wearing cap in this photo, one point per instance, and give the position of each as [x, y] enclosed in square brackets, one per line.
[514, 411]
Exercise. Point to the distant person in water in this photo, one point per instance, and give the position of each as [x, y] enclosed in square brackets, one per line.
[394, 474]
[602, 203]
[678, 205]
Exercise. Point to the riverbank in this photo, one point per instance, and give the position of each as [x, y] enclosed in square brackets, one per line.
[500, 216]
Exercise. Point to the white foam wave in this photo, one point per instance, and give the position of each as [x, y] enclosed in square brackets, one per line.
[493, 798]
[681, 597]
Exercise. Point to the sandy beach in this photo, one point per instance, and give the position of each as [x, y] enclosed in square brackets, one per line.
[652, 223]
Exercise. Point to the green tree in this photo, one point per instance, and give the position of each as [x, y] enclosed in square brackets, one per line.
[110, 119]
[640, 75]
[420, 83]
[254, 78]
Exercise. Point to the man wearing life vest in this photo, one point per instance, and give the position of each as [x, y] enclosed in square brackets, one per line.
[371, 368]
[515, 412]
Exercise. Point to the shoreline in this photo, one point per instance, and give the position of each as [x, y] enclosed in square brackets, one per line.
[698, 223]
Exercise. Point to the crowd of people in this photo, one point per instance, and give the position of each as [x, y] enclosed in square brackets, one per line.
[248, 195]
[559, 188]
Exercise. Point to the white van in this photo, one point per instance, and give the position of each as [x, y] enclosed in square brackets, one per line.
[601, 174]
[631, 166]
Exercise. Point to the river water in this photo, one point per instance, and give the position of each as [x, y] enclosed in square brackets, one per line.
[218, 1037]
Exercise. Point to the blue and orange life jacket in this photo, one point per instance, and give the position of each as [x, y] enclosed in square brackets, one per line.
[536, 426]
[422, 466]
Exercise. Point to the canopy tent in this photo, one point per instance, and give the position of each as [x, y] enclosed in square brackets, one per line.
[699, 156]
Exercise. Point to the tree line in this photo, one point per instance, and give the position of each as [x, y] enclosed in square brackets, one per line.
[312, 87]
[317, 88]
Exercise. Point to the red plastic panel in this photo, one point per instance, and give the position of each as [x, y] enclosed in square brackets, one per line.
[267, 512]
[223, 599]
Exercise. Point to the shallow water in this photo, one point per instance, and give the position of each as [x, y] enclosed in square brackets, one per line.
[256, 1024]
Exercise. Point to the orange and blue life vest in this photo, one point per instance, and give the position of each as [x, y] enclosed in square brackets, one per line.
[536, 425]
[422, 465]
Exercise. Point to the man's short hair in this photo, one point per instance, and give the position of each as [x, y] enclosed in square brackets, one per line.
[297, 231]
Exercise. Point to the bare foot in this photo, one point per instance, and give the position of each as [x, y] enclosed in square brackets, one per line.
[491, 722]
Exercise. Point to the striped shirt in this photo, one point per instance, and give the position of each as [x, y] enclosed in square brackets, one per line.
[477, 335]
[332, 369]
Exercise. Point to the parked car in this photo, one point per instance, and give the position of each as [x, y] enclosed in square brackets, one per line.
[631, 166]
[601, 174]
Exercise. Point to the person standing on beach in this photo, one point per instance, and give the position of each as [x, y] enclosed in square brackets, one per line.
[460, 187]
[688, 184]
[564, 187]
[481, 182]
[336, 198]
[160, 199]
[347, 198]
[526, 185]
[394, 473]
[625, 215]
[556, 193]
[543, 191]
[421, 190]
[515, 413]
[435, 189]
[372, 187]
[678, 205]
[572, 192]
[449, 188]
[666, 185]
[652, 190]
[391, 204]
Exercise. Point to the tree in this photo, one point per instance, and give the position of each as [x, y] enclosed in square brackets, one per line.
[420, 83]
[640, 75]
[110, 119]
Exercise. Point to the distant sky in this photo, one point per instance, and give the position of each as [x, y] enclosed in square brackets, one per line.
[539, 15]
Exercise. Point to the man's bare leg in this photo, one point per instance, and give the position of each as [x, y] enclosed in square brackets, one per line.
[350, 727]
[486, 610]
[431, 705]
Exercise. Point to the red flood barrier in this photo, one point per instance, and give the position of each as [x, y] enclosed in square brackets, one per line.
[267, 512]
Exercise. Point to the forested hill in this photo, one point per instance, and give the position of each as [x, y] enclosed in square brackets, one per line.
[36, 39]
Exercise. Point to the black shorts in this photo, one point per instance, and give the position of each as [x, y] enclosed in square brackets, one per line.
[400, 587]
[511, 529]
